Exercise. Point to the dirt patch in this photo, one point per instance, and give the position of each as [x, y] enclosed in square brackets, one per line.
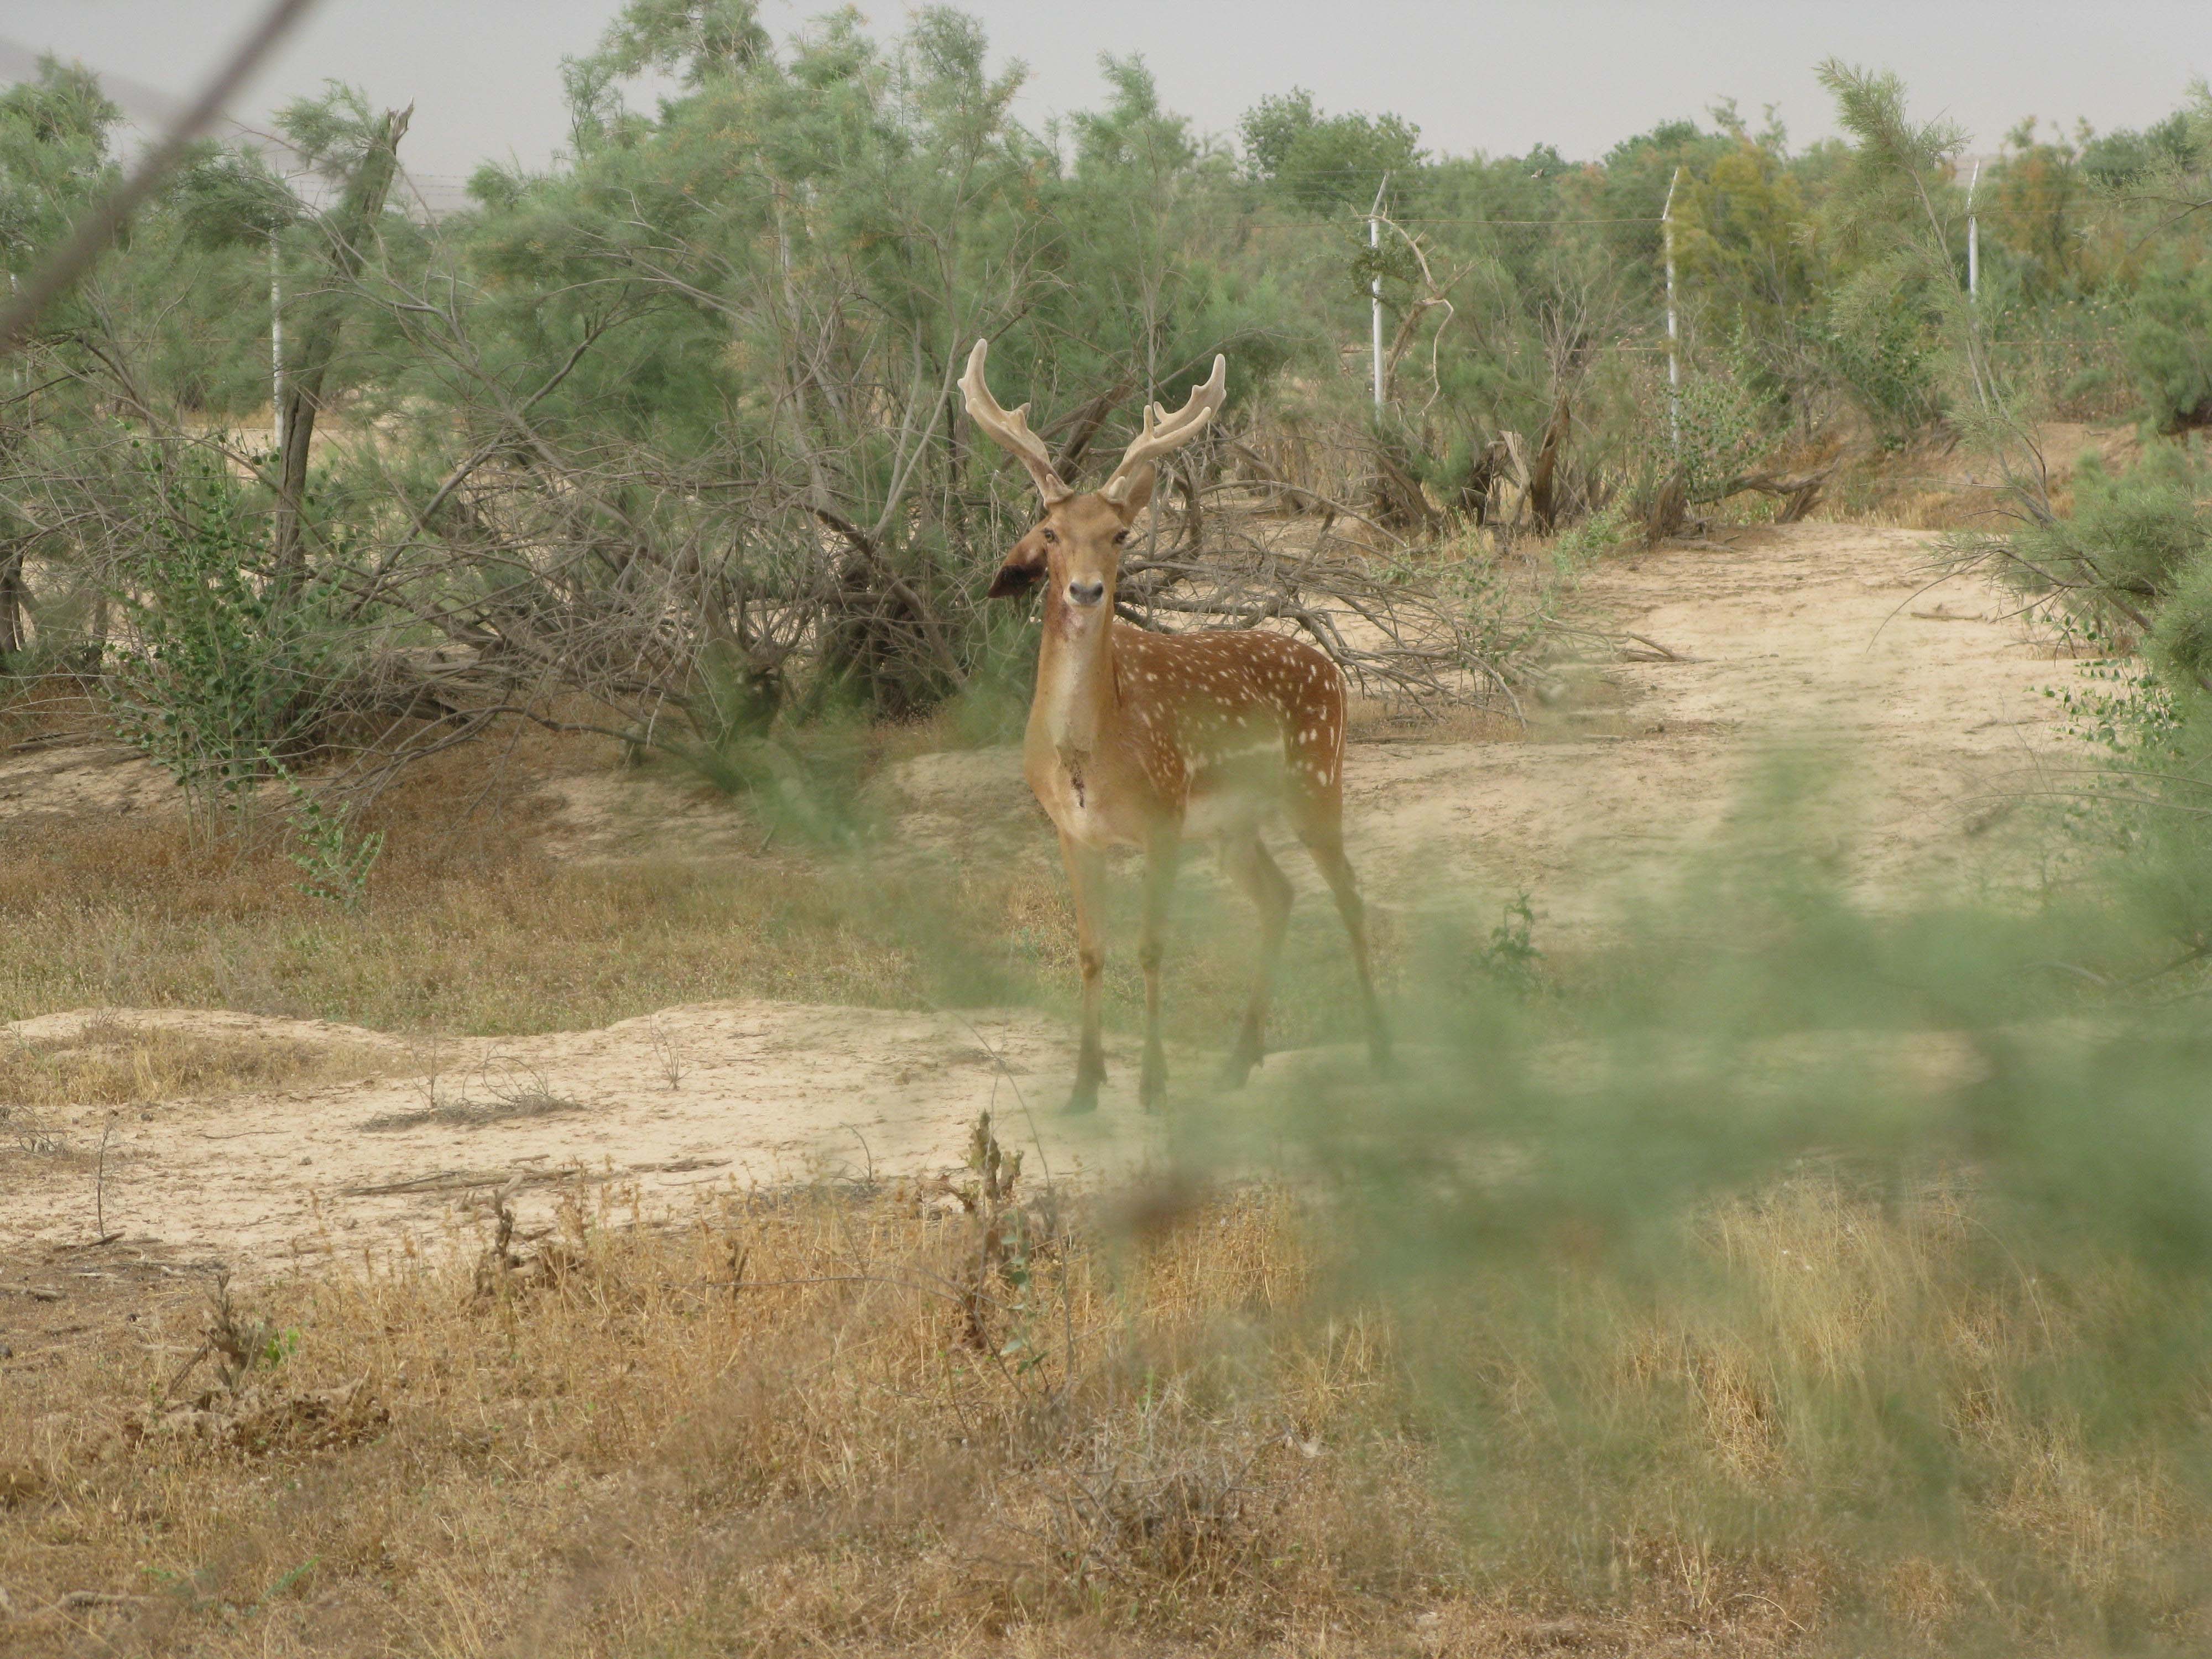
[1921, 697]
[61, 777]
[970, 798]
[53, 1297]
[665, 1109]
[613, 815]
[537, 1102]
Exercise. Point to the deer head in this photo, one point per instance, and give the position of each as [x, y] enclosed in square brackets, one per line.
[1076, 548]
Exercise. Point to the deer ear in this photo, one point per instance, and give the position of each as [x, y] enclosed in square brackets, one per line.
[1022, 570]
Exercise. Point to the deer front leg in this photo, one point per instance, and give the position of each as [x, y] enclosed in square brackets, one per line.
[1327, 846]
[1086, 873]
[1269, 889]
[1162, 856]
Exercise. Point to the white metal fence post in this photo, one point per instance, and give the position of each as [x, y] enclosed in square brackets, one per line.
[1673, 328]
[1375, 287]
[276, 345]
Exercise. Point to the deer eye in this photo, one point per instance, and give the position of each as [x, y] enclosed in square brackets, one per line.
[1121, 538]
[1050, 540]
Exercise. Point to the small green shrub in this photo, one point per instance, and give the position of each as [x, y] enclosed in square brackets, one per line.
[1612, 525]
[2118, 701]
[1722, 434]
[1511, 958]
[1701, 438]
[804, 778]
[2118, 555]
[2167, 343]
[334, 860]
[2181, 642]
[225, 668]
[1507, 620]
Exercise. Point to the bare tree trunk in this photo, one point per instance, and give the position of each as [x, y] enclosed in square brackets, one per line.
[1490, 463]
[1399, 499]
[1189, 480]
[350, 226]
[1670, 510]
[1543, 476]
[11, 603]
[86, 660]
[11, 562]
[1798, 495]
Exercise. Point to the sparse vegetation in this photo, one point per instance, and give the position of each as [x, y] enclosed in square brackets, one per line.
[233, 672]
[1786, 1274]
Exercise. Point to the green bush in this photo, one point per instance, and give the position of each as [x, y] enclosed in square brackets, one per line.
[225, 667]
[332, 856]
[2168, 344]
[2181, 644]
[1883, 353]
[1723, 433]
[2120, 553]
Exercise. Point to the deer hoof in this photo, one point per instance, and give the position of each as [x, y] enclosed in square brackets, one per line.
[1152, 1082]
[1085, 1099]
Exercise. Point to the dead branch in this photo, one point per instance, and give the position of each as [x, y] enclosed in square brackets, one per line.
[1798, 495]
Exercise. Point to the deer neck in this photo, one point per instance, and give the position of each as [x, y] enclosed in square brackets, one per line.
[1072, 711]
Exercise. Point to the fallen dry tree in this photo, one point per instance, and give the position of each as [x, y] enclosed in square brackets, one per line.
[1668, 514]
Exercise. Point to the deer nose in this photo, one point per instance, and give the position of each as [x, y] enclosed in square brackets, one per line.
[1086, 594]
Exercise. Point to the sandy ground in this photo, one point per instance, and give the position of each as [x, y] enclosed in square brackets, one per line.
[1820, 638]
[683, 1105]
[44, 781]
[1922, 707]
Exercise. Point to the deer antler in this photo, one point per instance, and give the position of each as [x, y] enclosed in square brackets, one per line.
[1164, 432]
[1011, 431]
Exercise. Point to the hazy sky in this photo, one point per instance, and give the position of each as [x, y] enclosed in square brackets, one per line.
[1498, 77]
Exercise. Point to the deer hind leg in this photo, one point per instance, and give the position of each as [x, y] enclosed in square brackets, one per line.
[1086, 873]
[1161, 860]
[1249, 865]
[1325, 841]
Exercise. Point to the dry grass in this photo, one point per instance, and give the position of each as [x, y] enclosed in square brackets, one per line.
[869, 1421]
[1939, 483]
[474, 927]
[775, 1427]
[1368, 721]
[469, 1114]
[112, 1060]
[455, 937]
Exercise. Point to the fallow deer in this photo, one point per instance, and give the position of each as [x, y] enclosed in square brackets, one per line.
[1149, 740]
